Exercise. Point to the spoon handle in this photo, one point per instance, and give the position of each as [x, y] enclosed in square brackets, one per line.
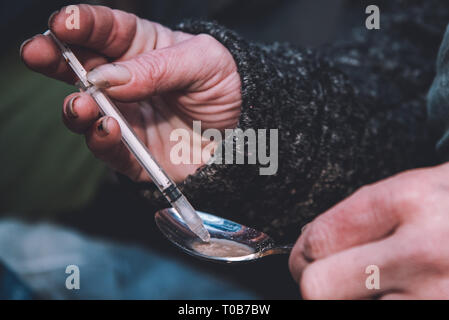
[286, 249]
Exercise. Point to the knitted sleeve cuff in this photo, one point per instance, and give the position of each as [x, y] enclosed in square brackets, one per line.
[290, 90]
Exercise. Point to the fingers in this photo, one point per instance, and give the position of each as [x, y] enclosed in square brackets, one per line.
[193, 65]
[103, 137]
[407, 263]
[79, 112]
[109, 32]
[81, 115]
[345, 274]
[103, 140]
[41, 55]
[408, 258]
[369, 214]
[102, 33]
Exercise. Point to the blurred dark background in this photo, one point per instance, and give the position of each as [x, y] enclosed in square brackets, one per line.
[47, 173]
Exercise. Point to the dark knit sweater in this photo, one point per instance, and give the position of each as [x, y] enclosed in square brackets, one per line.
[348, 114]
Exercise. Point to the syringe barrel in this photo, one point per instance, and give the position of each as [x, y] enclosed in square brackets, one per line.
[159, 177]
[135, 145]
[130, 139]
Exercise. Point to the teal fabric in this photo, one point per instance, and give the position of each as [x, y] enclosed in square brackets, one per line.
[38, 255]
[438, 99]
[11, 287]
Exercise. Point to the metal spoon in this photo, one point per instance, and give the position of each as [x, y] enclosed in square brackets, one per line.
[230, 242]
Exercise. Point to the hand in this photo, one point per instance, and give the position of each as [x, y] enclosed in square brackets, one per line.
[400, 224]
[163, 79]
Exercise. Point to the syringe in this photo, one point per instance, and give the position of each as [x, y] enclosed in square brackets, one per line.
[135, 145]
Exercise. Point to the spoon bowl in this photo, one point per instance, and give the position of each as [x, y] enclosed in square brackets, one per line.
[230, 242]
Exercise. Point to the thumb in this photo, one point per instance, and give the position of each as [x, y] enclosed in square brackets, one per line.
[186, 65]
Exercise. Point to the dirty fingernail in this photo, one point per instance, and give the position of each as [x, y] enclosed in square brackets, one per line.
[23, 45]
[51, 18]
[304, 227]
[70, 108]
[109, 75]
[103, 127]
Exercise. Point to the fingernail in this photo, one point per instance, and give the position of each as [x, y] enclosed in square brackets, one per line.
[109, 75]
[304, 227]
[70, 109]
[22, 46]
[50, 19]
[102, 128]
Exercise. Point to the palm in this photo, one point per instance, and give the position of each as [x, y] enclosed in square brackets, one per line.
[153, 120]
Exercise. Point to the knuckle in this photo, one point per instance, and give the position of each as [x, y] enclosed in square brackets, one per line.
[409, 195]
[149, 68]
[401, 195]
[424, 249]
[422, 253]
[316, 242]
[208, 44]
[369, 193]
[365, 191]
[205, 39]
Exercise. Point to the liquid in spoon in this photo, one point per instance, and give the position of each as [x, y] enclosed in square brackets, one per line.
[222, 248]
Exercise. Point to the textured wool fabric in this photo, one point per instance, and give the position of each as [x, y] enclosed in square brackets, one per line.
[348, 114]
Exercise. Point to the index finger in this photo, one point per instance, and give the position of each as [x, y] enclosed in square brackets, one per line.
[102, 33]
[42, 55]
[106, 31]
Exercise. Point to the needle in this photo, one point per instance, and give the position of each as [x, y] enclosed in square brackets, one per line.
[135, 145]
